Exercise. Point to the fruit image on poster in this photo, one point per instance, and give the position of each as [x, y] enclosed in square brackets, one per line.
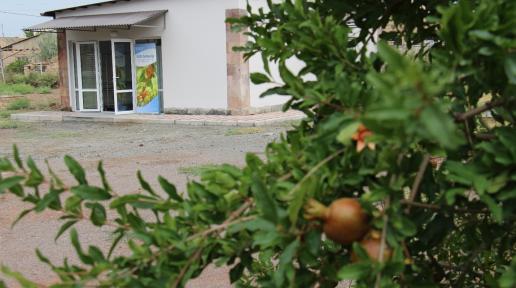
[147, 93]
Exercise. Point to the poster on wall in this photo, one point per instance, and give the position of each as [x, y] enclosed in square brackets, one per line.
[147, 94]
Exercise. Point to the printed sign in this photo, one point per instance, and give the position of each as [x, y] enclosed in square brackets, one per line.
[147, 94]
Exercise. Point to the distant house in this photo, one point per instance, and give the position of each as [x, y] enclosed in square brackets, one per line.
[20, 48]
[154, 56]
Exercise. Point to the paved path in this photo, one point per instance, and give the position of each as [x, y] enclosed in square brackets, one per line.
[195, 120]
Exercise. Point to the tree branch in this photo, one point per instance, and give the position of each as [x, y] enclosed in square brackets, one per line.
[459, 117]
[419, 178]
[382, 243]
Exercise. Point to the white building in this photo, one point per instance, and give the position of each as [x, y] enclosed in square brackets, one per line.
[154, 56]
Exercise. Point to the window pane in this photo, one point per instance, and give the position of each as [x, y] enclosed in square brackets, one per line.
[124, 79]
[125, 101]
[89, 100]
[88, 69]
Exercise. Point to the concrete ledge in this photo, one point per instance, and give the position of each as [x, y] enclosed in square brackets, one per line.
[265, 119]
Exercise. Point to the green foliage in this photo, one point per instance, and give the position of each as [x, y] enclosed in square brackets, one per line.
[45, 80]
[47, 46]
[17, 66]
[16, 89]
[449, 224]
[19, 104]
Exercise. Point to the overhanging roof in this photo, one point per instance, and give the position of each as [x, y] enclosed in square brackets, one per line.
[98, 21]
[97, 3]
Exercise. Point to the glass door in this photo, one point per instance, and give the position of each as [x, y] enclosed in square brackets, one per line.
[88, 88]
[123, 75]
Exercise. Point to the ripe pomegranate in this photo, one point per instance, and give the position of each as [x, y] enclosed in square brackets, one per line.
[371, 244]
[344, 220]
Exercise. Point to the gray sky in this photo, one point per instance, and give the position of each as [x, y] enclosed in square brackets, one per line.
[13, 24]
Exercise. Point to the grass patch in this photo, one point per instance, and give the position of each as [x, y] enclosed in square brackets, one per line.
[5, 114]
[198, 169]
[16, 89]
[22, 89]
[244, 131]
[19, 104]
[11, 124]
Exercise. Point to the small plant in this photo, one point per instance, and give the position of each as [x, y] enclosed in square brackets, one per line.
[17, 66]
[244, 131]
[19, 104]
[44, 90]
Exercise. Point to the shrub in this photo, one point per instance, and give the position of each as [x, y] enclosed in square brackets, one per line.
[42, 80]
[16, 66]
[34, 79]
[398, 131]
[19, 104]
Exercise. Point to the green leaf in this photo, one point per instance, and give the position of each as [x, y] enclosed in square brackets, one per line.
[74, 237]
[285, 260]
[105, 183]
[170, 189]
[24, 282]
[144, 184]
[64, 227]
[264, 201]
[510, 68]
[76, 169]
[259, 78]
[439, 127]
[354, 271]
[17, 157]
[5, 165]
[496, 210]
[90, 193]
[347, 132]
[10, 182]
[98, 214]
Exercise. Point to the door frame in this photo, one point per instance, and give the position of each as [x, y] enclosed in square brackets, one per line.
[79, 75]
[133, 75]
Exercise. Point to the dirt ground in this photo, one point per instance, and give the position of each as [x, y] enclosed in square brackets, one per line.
[125, 148]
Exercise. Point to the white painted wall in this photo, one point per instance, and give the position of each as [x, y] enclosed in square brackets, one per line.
[193, 44]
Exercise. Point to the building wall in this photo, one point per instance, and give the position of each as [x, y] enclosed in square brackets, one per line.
[27, 49]
[193, 45]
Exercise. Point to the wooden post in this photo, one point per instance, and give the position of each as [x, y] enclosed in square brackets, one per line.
[62, 59]
[2, 65]
[239, 100]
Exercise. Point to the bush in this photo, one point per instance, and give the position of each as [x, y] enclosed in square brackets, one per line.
[34, 79]
[42, 80]
[19, 104]
[17, 66]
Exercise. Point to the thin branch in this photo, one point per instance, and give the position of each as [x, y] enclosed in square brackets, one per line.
[459, 117]
[315, 169]
[419, 178]
[183, 271]
[382, 243]
[439, 207]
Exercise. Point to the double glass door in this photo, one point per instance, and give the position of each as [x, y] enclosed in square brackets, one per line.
[89, 83]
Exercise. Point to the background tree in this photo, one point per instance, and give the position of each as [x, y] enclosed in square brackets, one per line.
[47, 46]
[376, 124]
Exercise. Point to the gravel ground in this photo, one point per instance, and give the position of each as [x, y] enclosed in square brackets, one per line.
[124, 148]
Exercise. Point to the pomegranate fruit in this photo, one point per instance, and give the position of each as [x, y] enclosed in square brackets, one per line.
[371, 244]
[344, 220]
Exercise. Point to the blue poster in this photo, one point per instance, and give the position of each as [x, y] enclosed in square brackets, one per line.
[147, 90]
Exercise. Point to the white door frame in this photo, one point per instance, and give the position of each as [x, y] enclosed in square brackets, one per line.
[79, 76]
[133, 76]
